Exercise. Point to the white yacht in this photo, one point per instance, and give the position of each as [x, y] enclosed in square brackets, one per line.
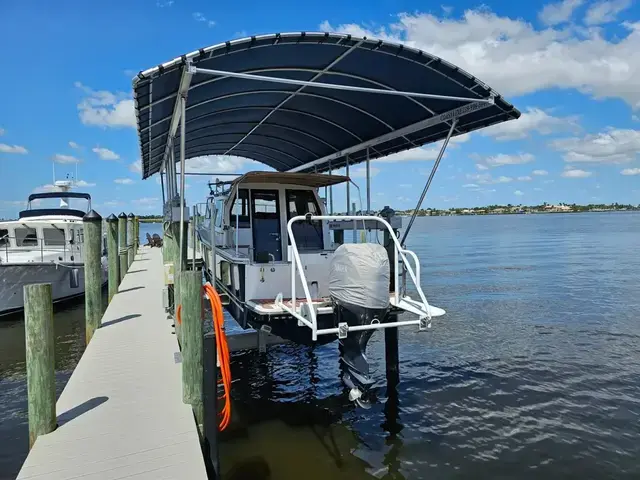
[45, 245]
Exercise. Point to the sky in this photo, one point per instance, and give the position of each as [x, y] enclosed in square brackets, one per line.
[571, 67]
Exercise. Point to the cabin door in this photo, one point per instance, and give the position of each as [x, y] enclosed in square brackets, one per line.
[267, 244]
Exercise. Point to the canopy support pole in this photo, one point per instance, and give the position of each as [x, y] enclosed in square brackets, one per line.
[428, 184]
[183, 107]
[368, 185]
[348, 211]
[330, 193]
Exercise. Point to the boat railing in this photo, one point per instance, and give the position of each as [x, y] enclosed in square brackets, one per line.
[307, 315]
[64, 251]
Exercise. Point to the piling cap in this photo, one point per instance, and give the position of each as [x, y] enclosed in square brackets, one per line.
[131, 215]
[92, 216]
[122, 215]
[112, 218]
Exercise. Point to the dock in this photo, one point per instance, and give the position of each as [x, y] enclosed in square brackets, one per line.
[121, 414]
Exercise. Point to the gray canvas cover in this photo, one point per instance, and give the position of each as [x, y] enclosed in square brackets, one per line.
[359, 274]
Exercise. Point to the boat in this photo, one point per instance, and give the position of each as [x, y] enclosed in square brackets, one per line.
[305, 105]
[45, 245]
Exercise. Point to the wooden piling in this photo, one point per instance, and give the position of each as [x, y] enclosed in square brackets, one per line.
[136, 235]
[40, 358]
[122, 244]
[130, 237]
[92, 225]
[191, 314]
[113, 255]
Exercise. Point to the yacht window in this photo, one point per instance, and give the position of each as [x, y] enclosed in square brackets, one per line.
[53, 236]
[219, 212]
[241, 209]
[4, 237]
[26, 237]
[308, 235]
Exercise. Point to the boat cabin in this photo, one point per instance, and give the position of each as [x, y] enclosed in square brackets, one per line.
[247, 219]
[43, 233]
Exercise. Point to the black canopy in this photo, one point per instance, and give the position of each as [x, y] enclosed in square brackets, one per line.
[308, 128]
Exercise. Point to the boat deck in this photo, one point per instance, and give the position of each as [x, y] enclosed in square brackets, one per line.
[121, 414]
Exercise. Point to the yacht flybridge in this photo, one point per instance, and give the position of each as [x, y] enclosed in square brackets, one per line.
[305, 105]
[45, 245]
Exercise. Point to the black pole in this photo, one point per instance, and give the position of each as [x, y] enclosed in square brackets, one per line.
[210, 400]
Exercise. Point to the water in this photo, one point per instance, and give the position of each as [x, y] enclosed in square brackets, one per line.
[532, 373]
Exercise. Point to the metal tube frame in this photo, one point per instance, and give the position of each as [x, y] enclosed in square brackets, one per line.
[296, 264]
[183, 103]
[333, 86]
[428, 184]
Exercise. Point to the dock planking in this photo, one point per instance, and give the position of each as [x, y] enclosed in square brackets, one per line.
[121, 414]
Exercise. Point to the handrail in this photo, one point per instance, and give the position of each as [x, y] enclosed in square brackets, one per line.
[40, 246]
[297, 264]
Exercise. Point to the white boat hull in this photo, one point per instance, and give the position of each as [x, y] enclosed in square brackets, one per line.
[13, 278]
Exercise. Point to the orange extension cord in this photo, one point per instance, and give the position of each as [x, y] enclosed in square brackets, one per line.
[222, 349]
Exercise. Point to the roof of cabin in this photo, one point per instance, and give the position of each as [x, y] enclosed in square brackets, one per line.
[284, 178]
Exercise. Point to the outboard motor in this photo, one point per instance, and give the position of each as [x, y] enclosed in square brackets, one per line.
[359, 288]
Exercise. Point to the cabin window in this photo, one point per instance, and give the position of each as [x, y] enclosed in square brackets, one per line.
[240, 210]
[26, 237]
[308, 235]
[219, 212]
[4, 237]
[53, 237]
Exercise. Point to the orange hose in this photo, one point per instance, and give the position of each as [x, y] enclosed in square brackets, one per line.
[179, 314]
[222, 349]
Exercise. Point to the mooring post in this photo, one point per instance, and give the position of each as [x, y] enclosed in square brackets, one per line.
[191, 314]
[122, 244]
[40, 358]
[136, 235]
[177, 300]
[112, 255]
[92, 225]
[388, 213]
[130, 237]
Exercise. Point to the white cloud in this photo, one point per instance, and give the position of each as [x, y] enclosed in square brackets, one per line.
[480, 166]
[518, 193]
[106, 109]
[82, 183]
[504, 159]
[540, 173]
[105, 153]
[470, 185]
[635, 118]
[537, 189]
[136, 167]
[516, 58]
[405, 185]
[525, 178]
[199, 17]
[414, 154]
[2, 131]
[4, 148]
[74, 145]
[610, 146]
[630, 171]
[605, 12]
[163, 4]
[61, 158]
[561, 12]
[532, 120]
[147, 201]
[123, 181]
[221, 164]
[361, 172]
[576, 173]
[485, 178]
